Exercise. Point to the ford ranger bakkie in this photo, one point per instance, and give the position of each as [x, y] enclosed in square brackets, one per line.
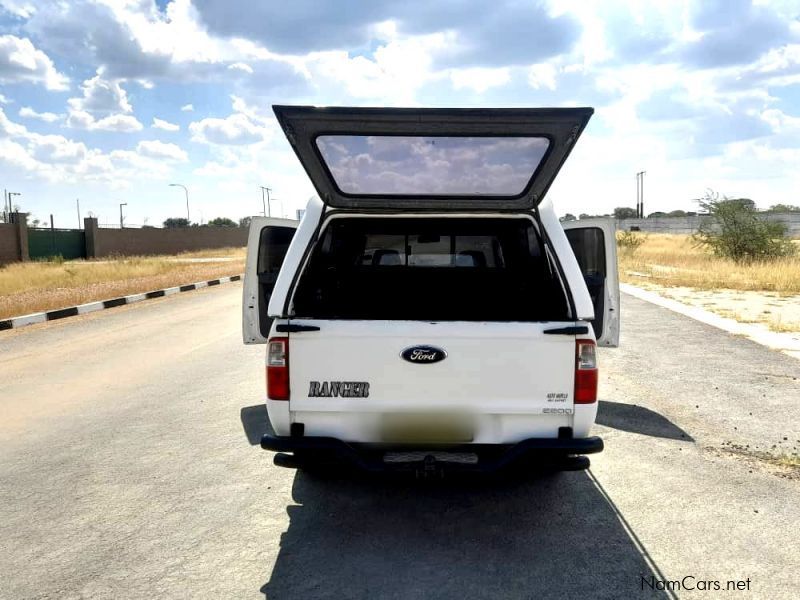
[430, 311]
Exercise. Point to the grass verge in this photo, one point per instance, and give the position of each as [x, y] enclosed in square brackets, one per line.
[675, 260]
[37, 286]
[673, 266]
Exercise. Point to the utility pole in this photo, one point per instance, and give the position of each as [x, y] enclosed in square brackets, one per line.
[640, 194]
[78, 204]
[121, 222]
[267, 208]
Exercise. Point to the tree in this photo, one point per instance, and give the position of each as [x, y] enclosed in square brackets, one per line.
[676, 213]
[783, 208]
[655, 215]
[176, 222]
[245, 221]
[222, 222]
[568, 217]
[625, 212]
[733, 229]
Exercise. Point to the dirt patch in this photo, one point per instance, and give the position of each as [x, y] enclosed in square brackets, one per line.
[778, 312]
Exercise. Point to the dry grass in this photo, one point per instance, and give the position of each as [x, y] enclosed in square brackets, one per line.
[35, 286]
[216, 253]
[674, 260]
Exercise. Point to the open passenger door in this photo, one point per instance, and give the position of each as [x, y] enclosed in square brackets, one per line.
[267, 245]
[595, 246]
[432, 158]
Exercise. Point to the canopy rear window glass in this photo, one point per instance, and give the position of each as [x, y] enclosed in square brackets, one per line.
[397, 165]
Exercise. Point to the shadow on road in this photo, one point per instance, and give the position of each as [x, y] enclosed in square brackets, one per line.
[255, 422]
[555, 536]
[638, 419]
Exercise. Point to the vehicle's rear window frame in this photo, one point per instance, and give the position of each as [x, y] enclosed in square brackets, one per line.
[319, 238]
[477, 198]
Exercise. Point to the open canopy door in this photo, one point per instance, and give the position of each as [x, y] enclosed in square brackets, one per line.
[594, 243]
[440, 158]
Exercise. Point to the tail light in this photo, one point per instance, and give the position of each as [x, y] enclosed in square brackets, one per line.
[278, 368]
[585, 372]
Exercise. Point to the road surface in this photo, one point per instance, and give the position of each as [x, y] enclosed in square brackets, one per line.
[125, 471]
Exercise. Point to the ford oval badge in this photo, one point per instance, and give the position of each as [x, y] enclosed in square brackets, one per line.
[423, 355]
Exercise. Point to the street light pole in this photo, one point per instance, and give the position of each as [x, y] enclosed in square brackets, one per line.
[11, 203]
[185, 191]
[267, 207]
[121, 223]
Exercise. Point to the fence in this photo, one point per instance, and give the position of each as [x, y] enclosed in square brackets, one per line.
[18, 242]
[688, 225]
[66, 243]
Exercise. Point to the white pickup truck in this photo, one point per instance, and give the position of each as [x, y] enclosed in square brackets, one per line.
[430, 311]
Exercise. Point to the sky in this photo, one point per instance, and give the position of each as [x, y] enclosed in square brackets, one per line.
[110, 101]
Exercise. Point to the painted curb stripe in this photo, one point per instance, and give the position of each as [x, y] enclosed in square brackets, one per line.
[29, 320]
[91, 307]
[52, 315]
[82, 309]
[114, 302]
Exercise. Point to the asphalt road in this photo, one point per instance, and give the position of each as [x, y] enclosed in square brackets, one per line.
[125, 472]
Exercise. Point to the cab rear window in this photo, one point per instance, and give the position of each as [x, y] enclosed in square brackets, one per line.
[430, 269]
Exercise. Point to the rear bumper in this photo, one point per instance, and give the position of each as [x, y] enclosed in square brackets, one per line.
[490, 457]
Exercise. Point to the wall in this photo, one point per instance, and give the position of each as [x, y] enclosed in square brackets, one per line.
[129, 242]
[14, 239]
[9, 246]
[690, 224]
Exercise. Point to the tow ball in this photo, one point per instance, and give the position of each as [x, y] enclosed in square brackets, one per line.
[429, 469]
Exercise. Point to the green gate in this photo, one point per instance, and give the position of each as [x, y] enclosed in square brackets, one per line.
[47, 243]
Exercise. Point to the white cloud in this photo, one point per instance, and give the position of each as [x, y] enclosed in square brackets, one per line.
[102, 97]
[79, 119]
[161, 150]
[9, 128]
[542, 75]
[103, 106]
[165, 125]
[187, 107]
[244, 126]
[20, 61]
[4, 100]
[240, 66]
[48, 117]
[18, 8]
[56, 149]
[479, 79]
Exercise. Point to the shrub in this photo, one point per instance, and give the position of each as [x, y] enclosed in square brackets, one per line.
[733, 229]
[629, 241]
